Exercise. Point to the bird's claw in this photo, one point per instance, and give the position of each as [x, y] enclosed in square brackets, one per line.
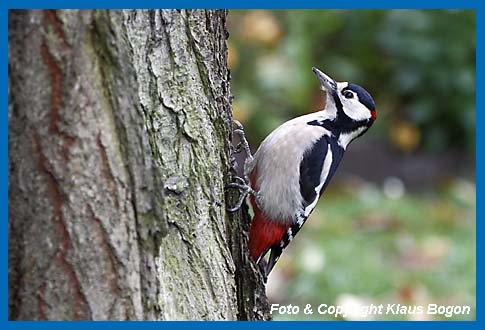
[244, 190]
[242, 184]
[243, 144]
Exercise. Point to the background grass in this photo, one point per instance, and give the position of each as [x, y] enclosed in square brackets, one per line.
[360, 246]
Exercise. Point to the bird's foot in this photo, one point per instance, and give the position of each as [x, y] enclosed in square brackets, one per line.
[242, 184]
[243, 142]
[244, 190]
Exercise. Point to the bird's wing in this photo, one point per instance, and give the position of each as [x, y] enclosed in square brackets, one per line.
[314, 170]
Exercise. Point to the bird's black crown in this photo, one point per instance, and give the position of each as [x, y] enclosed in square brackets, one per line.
[364, 97]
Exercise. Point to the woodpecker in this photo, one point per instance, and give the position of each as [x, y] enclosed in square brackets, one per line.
[295, 163]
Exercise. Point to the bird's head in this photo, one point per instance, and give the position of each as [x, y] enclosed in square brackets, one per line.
[351, 104]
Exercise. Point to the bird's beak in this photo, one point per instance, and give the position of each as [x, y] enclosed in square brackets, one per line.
[328, 83]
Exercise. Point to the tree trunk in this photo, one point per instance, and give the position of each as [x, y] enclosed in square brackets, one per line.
[119, 150]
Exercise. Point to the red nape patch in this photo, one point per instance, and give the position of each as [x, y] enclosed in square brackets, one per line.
[263, 234]
[374, 115]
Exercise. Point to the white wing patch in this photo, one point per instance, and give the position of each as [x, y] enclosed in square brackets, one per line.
[323, 178]
[283, 243]
[300, 219]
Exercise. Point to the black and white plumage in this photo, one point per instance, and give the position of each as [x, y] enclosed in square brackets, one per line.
[294, 165]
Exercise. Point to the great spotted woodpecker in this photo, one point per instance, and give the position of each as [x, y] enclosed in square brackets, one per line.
[294, 164]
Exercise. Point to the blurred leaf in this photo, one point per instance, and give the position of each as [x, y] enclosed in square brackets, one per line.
[405, 136]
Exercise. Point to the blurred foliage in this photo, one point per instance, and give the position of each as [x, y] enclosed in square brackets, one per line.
[419, 65]
[376, 247]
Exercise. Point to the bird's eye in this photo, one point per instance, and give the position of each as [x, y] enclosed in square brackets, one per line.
[348, 94]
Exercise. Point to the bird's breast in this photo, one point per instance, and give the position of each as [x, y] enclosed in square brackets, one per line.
[276, 166]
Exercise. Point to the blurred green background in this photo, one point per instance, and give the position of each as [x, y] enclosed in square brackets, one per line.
[397, 223]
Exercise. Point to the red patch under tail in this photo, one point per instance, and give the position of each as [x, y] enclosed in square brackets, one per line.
[263, 234]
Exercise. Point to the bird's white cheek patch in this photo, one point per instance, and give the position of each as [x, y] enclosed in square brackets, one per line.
[356, 110]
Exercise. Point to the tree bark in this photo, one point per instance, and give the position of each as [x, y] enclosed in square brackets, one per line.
[119, 150]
